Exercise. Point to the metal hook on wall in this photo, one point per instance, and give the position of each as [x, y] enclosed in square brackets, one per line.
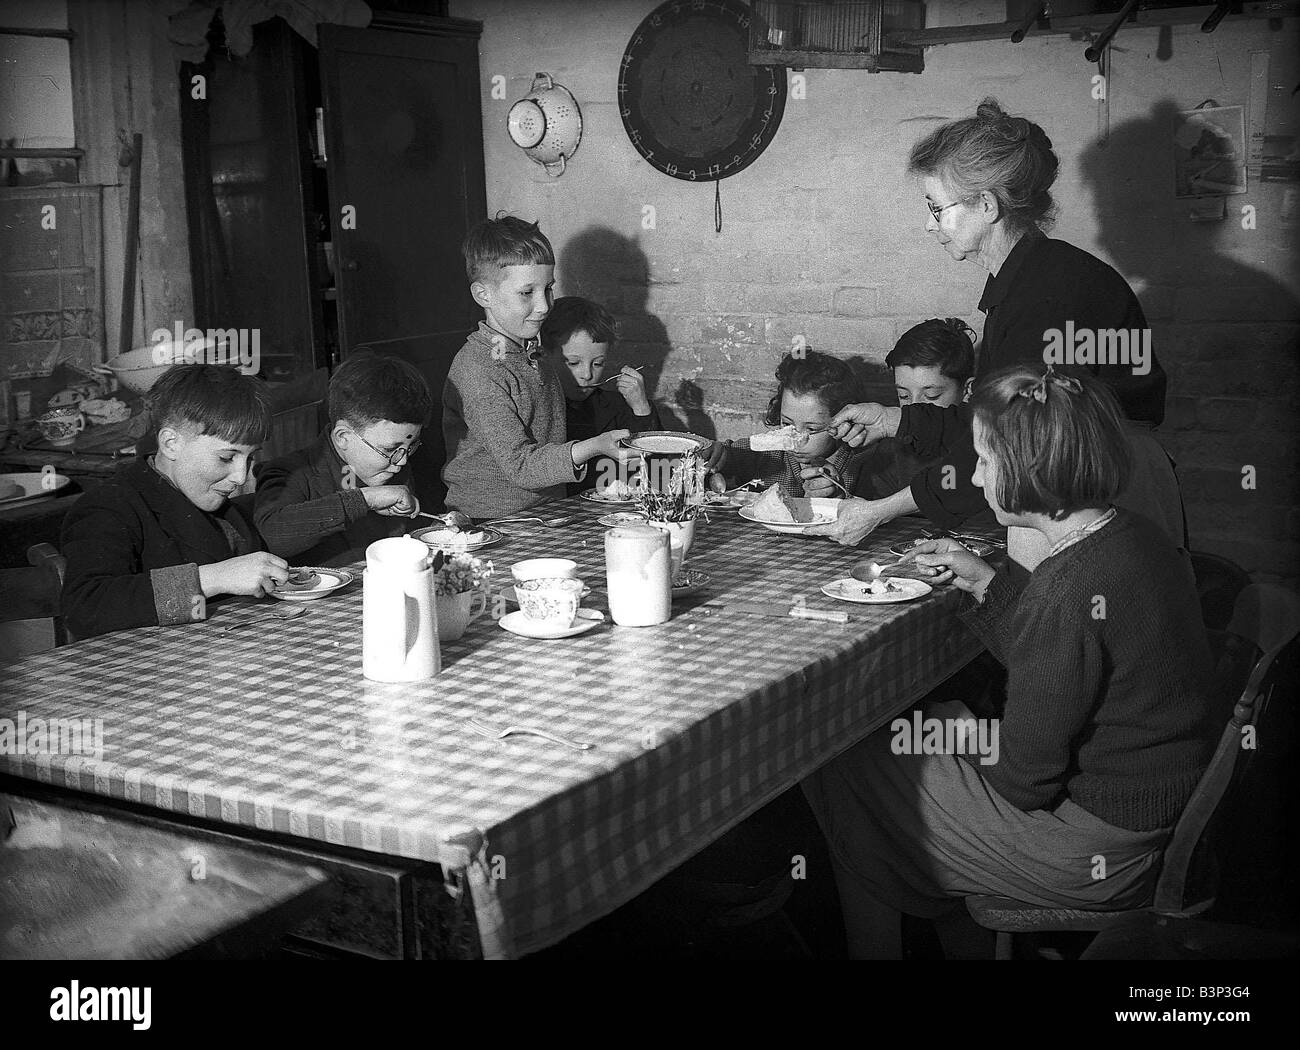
[1093, 54]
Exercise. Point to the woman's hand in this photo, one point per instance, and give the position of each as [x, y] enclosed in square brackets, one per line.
[858, 518]
[859, 425]
[960, 567]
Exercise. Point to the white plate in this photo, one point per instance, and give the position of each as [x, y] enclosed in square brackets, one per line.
[424, 536]
[591, 496]
[979, 548]
[851, 590]
[330, 580]
[824, 511]
[33, 488]
[613, 520]
[508, 593]
[517, 623]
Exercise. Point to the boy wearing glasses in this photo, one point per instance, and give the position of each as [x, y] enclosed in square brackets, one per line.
[325, 505]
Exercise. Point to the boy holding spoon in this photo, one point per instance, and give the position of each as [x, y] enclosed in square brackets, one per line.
[581, 334]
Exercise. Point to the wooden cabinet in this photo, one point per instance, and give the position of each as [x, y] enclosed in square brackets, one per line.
[336, 231]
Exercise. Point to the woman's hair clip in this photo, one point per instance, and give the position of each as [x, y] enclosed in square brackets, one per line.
[1038, 389]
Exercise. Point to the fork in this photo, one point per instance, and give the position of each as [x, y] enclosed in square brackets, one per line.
[488, 731]
[834, 481]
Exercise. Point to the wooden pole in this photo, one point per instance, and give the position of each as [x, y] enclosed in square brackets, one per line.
[132, 237]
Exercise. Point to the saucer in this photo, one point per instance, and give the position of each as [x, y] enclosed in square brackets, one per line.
[622, 517]
[517, 623]
[439, 538]
[324, 581]
[591, 497]
[692, 580]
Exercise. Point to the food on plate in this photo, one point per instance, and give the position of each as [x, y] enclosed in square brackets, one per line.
[614, 491]
[301, 580]
[452, 538]
[774, 507]
[783, 439]
[883, 587]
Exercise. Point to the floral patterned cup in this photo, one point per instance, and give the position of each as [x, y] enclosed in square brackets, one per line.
[60, 426]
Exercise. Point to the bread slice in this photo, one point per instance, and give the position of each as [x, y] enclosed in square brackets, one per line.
[785, 439]
[774, 507]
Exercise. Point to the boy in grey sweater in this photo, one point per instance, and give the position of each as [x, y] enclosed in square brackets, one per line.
[503, 406]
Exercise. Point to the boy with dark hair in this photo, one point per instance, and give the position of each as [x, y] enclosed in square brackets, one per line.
[581, 333]
[151, 546]
[325, 505]
[933, 364]
[508, 448]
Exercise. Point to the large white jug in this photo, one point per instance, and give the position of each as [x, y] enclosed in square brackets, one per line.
[399, 640]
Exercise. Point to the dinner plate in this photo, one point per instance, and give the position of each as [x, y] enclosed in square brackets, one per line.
[326, 581]
[590, 496]
[32, 488]
[850, 590]
[440, 543]
[622, 517]
[691, 580]
[508, 593]
[824, 511]
[979, 548]
[517, 623]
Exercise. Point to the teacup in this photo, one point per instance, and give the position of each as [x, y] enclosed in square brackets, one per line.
[544, 569]
[60, 426]
[552, 602]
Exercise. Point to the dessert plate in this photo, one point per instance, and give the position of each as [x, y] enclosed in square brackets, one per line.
[898, 590]
[591, 496]
[321, 583]
[824, 512]
[517, 623]
[622, 517]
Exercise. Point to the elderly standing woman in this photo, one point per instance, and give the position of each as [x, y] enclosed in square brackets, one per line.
[987, 182]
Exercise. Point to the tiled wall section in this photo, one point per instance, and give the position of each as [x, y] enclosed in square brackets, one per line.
[823, 235]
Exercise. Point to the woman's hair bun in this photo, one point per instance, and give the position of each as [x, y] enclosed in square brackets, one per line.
[990, 110]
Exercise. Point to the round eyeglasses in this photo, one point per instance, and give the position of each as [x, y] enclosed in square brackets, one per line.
[938, 209]
[398, 456]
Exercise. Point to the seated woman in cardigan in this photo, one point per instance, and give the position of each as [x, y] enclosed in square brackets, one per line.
[167, 533]
[1069, 798]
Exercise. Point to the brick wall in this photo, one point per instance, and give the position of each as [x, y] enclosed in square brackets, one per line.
[823, 235]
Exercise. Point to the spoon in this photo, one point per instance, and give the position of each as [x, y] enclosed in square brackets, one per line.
[550, 523]
[870, 570]
[285, 612]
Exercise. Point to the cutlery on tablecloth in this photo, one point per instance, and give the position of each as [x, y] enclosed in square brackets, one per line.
[500, 734]
[285, 612]
[800, 612]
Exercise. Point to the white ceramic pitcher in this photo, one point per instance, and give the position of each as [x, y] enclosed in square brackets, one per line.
[399, 613]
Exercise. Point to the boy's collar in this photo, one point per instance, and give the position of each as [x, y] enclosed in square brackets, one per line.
[508, 344]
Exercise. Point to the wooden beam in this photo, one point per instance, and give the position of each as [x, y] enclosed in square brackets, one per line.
[65, 34]
[9, 151]
[1085, 23]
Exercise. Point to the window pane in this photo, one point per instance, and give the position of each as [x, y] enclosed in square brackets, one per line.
[36, 87]
[34, 14]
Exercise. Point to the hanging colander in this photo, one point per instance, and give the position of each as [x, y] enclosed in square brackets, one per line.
[546, 124]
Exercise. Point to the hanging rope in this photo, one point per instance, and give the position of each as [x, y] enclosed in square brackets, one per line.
[717, 206]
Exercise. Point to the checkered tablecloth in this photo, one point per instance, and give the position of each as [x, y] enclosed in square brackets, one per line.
[697, 723]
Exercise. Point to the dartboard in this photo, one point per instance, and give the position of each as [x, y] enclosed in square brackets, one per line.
[691, 103]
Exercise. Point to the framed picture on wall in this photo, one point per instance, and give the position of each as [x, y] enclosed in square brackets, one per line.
[1210, 152]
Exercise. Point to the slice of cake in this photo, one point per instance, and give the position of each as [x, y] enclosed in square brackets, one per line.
[785, 439]
[774, 507]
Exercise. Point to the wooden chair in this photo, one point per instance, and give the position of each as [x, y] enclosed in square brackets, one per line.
[1188, 880]
[1219, 583]
[30, 617]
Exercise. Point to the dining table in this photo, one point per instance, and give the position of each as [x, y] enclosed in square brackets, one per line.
[694, 724]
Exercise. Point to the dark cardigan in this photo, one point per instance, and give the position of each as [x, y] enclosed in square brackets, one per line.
[134, 547]
[304, 512]
[1109, 680]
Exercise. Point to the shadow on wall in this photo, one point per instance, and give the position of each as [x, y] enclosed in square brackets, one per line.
[1226, 332]
[603, 265]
